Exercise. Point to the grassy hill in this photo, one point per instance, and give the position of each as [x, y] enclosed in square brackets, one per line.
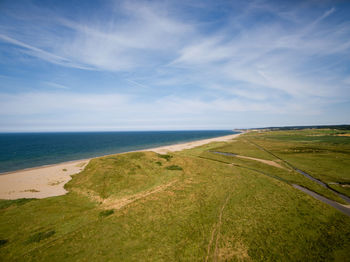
[193, 205]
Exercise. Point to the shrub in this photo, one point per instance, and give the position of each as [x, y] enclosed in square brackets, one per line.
[106, 213]
[167, 157]
[40, 236]
[3, 242]
[174, 167]
[159, 163]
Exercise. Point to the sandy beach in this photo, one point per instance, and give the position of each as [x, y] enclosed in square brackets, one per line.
[48, 181]
[188, 145]
[40, 182]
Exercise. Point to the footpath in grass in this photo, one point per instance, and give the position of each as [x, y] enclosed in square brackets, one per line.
[324, 154]
[189, 205]
[272, 147]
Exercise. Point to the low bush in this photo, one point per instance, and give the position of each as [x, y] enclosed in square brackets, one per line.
[106, 213]
[40, 236]
[167, 157]
[174, 167]
[3, 242]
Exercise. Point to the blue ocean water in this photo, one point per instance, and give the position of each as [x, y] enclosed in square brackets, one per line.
[25, 150]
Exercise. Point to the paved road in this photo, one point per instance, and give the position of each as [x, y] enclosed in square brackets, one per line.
[332, 203]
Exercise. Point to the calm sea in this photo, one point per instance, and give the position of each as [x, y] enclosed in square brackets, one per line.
[25, 150]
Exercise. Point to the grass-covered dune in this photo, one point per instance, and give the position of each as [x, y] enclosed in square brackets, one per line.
[192, 205]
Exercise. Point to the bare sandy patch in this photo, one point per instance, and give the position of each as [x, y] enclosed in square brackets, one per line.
[343, 134]
[39, 182]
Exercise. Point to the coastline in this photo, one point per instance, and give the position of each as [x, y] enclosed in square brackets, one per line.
[49, 180]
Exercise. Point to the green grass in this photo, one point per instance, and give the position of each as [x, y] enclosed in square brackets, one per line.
[17, 202]
[209, 209]
[287, 175]
[243, 147]
[341, 189]
[121, 175]
[321, 153]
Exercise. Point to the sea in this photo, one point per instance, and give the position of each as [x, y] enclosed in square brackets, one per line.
[25, 150]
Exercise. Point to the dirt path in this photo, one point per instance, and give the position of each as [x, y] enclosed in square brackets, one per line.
[267, 162]
[342, 208]
[344, 197]
[216, 227]
[117, 204]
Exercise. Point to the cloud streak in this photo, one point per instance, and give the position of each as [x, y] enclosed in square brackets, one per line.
[207, 60]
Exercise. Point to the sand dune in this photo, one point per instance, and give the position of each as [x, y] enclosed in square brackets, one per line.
[48, 181]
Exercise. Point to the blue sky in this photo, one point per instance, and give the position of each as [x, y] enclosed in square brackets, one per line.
[173, 65]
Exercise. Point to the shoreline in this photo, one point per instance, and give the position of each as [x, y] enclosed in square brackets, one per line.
[48, 165]
[49, 180]
[137, 150]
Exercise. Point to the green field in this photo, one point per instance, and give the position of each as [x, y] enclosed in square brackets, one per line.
[193, 205]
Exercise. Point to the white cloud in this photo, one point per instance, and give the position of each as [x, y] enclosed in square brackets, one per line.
[292, 63]
[72, 111]
[99, 44]
[38, 103]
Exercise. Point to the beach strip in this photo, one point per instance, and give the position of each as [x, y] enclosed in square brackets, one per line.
[48, 181]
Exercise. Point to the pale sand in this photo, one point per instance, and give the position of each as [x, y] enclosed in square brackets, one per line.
[189, 145]
[48, 181]
[39, 182]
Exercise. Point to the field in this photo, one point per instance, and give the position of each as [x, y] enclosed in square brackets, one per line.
[194, 205]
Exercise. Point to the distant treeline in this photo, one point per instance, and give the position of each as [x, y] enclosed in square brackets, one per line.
[338, 127]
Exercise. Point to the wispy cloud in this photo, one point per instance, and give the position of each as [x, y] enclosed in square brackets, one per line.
[107, 45]
[41, 54]
[207, 60]
[55, 85]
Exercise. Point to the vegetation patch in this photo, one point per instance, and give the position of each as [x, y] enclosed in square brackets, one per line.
[166, 156]
[106, 213]
[80, 164]
[40, 236]
[221, 208]
[136, 155]
[174, 167]
[31, 190]
[3, 242]
[17, 202]
[55, 183]
[159, 163]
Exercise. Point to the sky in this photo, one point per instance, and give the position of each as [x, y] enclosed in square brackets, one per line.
[173, 65]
